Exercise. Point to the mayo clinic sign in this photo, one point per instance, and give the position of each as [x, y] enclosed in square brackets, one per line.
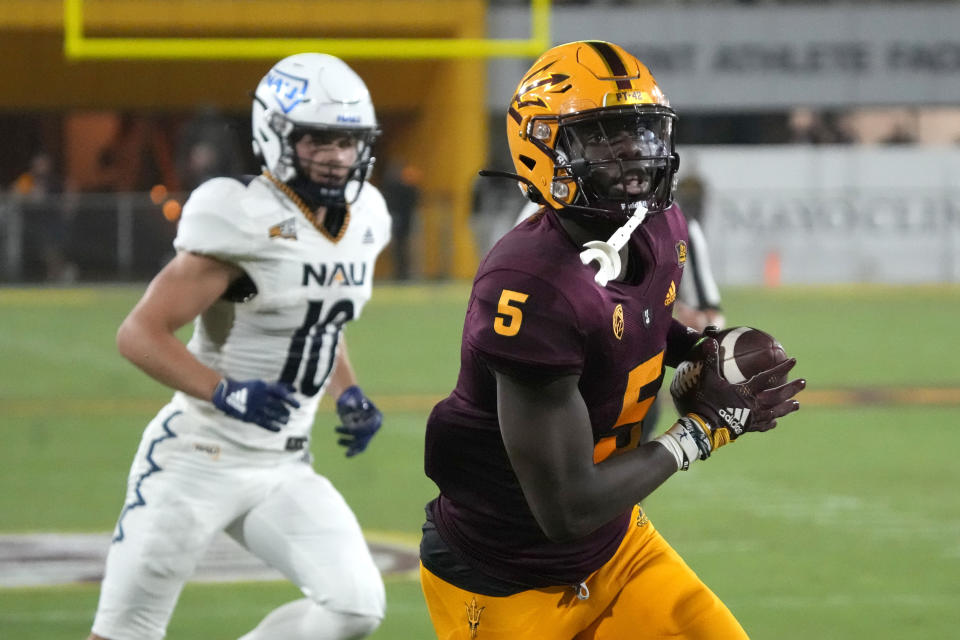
[831, 214]
[766, 58]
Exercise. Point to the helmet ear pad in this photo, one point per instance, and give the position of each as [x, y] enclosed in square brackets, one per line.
[580, 169]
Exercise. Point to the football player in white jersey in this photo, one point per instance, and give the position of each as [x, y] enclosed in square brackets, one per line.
[269, 269]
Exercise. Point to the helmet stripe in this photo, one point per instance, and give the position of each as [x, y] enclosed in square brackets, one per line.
[612, 60]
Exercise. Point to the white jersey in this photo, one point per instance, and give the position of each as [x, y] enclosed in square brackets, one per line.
[308, 284]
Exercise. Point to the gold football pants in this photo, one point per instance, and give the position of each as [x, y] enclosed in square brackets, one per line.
[644, 591]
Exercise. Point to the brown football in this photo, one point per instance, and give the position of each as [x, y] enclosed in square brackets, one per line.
[745, 352]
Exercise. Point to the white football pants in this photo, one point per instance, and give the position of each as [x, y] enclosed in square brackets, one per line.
[182, 491]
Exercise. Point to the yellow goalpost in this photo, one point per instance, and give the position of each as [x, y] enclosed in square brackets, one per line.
[78, 45]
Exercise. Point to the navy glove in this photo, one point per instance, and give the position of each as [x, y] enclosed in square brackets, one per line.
[361, 420]
[265, 404]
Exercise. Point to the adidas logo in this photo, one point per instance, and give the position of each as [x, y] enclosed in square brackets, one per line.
[736, 419]
[368, 236]
[671, 294]
[238, 400]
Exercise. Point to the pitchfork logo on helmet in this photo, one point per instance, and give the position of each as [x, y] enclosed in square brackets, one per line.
[317, 94]
[592, 132]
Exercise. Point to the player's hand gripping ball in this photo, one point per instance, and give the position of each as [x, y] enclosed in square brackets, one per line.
[743, 353]
[736, 382]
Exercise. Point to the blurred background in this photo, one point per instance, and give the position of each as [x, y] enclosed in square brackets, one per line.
[820, 148]
[819, 139]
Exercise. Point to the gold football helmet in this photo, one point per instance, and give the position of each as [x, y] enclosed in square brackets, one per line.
[591, 133]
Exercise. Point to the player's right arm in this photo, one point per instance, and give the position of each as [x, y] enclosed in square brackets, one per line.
[188, 285]
[185, 288]
[547, 434]
[548, 437]
[532, 341]
[528, 334]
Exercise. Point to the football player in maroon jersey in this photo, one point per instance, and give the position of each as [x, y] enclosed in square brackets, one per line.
[536, 532]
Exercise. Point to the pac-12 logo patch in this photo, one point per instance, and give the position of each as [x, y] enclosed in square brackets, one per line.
[618, 322]
[681, 253]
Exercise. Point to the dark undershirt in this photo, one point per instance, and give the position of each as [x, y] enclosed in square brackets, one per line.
[444, 563]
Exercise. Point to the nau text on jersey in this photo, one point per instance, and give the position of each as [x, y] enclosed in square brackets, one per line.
[352, 273]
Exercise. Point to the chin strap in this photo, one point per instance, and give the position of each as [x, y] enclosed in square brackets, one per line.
[607, 254]
[318, 195]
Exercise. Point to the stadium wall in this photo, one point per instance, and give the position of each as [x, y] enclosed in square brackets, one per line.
[722, 57]
[816, 215]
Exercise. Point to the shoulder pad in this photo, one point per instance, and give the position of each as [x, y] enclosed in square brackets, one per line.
[214, 221]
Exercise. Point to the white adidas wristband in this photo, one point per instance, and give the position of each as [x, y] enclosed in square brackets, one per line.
[670, 444]
[681, 441]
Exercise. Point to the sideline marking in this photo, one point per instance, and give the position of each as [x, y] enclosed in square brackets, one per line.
[49, 559]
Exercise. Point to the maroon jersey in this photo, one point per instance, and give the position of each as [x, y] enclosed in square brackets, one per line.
[535, 310]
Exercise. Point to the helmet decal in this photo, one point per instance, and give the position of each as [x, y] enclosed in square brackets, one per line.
[613, 61]
[288, 90]
[547, 84]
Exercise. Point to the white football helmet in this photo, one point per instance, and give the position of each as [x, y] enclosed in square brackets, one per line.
[312, 92]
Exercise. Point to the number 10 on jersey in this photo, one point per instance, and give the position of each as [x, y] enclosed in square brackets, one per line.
[308, 342]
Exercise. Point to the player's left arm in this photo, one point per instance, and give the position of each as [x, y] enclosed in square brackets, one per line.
[360, 418]
[681, 339]
[343, 375]
[698, 319]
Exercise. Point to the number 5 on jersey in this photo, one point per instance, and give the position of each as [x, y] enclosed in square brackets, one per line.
[509, 315]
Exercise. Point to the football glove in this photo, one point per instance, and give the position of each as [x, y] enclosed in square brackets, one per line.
[361, 420]
[716, 411]
[265, 404]
[696, 353]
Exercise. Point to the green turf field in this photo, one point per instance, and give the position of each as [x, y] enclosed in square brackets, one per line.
[842, 523]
